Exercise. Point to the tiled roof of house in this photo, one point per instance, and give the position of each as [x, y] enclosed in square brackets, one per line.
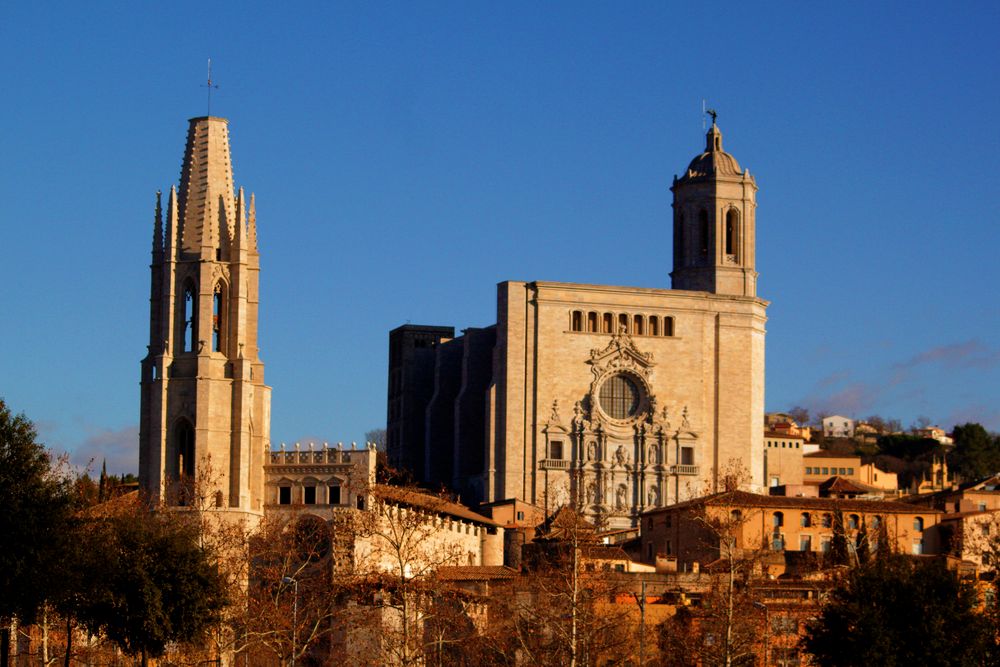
[838, 484]
[475, 573]
[826, 454]
[746, 499]
[430, 503]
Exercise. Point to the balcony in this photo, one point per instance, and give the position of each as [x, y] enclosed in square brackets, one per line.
[682, 469]
[554, 464]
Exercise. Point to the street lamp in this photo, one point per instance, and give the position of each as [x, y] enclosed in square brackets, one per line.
[295, 613]
[767, 629]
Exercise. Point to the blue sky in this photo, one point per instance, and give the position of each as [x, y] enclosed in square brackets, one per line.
[408, 156]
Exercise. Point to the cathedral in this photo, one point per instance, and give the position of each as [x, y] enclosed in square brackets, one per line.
[619, 399]
[205, 411]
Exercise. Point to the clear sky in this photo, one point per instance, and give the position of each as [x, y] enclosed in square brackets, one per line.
[406, 157]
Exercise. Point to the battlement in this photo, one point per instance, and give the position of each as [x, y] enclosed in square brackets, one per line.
[324, 454]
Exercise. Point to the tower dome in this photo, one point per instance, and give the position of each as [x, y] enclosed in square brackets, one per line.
[714, 161]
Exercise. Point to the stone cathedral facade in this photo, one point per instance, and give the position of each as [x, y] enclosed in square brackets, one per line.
[620, 399]
[205, 410]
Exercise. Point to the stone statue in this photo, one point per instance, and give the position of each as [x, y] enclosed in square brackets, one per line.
[592, 451]
[620, 497]
[620, 455]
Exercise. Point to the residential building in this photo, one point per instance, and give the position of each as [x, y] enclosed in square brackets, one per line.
[934, 433]
[782, 458]
[821, 465]
[782, 525]
[838, 426]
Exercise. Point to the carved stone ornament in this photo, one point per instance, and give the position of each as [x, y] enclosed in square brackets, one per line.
[620, 354]
[554, 417]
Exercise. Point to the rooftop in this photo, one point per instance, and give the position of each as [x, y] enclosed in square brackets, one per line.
[746, 499]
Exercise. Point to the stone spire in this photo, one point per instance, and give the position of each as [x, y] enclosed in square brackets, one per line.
[206, 187]
[253, 224]
[158, 229]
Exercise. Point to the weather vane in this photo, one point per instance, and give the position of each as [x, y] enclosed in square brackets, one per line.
[713, 113]
[210, 86]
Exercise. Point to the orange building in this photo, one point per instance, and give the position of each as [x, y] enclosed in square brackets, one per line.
[776, 526]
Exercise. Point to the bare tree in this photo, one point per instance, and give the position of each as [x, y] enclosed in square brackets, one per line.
[563, 610]
[377, 436]
[403, 537]
[725, 629]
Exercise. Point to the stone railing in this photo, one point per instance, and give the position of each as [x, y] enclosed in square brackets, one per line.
[681, 469]
[554, 464]
[325, 454]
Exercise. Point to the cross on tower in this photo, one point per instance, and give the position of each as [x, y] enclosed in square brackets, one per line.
[210, 86]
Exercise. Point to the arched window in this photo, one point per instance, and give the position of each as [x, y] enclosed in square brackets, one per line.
[806, 520]
[218, 317]
[853, 521]
[654, 325]
[668, 326]
[827, 520]
[778, 520]
[607, 323]
[623, 323]
[592, 322]
[703, 233]
[918, 523]
[639, 325]
[189, 312]
[735, 516]
[183, 463]
[732, 231]
[576, 321]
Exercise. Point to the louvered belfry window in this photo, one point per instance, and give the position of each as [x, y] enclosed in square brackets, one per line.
[619, 397]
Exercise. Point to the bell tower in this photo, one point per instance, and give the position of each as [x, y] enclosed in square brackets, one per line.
[714, 224]
[204, 426]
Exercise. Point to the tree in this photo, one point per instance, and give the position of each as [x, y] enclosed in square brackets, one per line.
[146, 581]
[838, 554]
[977, 453]
[897, 612]
[562, 611]
[800, 415]
[376, 436]
[399, 546]
[725, 630]
[36, 523]
[294, 587]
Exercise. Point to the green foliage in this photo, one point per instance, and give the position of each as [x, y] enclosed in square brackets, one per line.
[896, 612]
[35, 522]
[146, 582]
[976, 454]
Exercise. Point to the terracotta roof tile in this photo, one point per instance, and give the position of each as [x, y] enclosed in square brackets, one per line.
[745, 499]
[431, 503]
[475, 572]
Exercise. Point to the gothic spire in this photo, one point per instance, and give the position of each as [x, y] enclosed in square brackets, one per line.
[158, 230]
[252, 225]
[170, 238]
[206, 187]
[240, 232]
